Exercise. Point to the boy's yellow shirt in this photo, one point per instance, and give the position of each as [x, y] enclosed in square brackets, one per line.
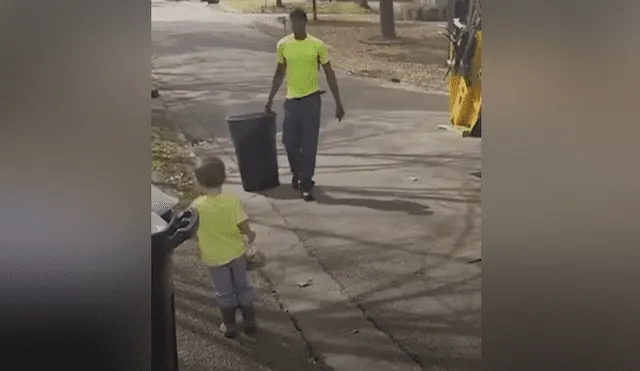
[219, 238]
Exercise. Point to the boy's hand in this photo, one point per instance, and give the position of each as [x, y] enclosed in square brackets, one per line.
[251, 236]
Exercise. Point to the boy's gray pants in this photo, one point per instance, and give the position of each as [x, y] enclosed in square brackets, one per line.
[232, 286]
[300, 131]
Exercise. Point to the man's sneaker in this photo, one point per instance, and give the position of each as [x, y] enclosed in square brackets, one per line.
[306, 186]
[295, 183]
[307, 196]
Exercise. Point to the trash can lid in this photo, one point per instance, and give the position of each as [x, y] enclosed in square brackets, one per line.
[157, 223]
[249, 116]
[160, 201]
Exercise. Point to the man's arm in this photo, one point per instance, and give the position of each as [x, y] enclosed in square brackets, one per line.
[278, 76]
[332, 81]
[276, 83]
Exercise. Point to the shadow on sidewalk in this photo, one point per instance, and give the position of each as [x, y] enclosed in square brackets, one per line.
[409, 207]
[275, 348]
[279, 347]
[285, 192]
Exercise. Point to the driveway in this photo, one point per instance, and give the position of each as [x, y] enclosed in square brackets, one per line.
[389, 245]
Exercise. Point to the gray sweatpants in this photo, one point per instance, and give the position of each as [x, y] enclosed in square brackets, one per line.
[300, 131]
[232, 286]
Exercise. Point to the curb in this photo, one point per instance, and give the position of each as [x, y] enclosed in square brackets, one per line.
[179, 132]
[182, 141]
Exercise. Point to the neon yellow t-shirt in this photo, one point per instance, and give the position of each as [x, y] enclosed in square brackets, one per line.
[219, 238]
[303, 59]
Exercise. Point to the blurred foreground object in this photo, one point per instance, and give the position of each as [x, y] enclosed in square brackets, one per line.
[464, 31]
[169, 229]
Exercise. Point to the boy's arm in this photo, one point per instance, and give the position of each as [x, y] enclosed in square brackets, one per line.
[243, 223]
[245, 229]
[194, 206]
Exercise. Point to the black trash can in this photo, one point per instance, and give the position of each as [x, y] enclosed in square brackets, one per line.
[167, 232]
[254, 138]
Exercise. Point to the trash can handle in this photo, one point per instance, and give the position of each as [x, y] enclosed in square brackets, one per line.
[186, 225]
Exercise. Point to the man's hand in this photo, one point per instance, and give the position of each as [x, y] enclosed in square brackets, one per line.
[333, 85]
[339, 111]
[268, 106]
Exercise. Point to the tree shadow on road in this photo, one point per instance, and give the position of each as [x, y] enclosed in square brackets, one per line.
[280, 347]
[266, 350]
[276, 347]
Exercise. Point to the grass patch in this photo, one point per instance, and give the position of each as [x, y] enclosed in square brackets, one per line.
[417, 43]
[334, 8]
[246, 6]
[171, 162]
[259, 6]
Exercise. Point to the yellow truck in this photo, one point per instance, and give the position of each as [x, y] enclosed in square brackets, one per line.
[464, 31]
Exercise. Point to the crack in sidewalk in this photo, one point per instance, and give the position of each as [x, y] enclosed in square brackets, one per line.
[315, 358]
[363, 310]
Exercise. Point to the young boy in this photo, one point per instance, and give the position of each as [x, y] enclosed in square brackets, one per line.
[223, 226]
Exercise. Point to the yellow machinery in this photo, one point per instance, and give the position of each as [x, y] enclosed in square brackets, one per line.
[465, 64]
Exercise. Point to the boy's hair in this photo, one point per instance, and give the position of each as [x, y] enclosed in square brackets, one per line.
[298, 13]
[212, 173]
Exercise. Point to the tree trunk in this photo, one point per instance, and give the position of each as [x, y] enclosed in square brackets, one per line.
[314, 4]
[387, 20]
[363, 4]
[451, 13]
[279, 4]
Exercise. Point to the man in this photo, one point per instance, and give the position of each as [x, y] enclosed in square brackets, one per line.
[300, 56]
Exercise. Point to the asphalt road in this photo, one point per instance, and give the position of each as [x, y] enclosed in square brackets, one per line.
[388, 243]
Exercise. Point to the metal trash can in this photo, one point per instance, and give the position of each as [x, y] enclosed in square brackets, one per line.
[254, 139]
[169, 229]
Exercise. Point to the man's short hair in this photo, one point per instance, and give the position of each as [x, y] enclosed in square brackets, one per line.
[298, 13]
[212, 173]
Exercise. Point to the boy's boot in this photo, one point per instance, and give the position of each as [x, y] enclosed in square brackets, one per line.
[228, 326]
[249, 319]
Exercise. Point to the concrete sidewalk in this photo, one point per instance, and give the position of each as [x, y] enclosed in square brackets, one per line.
[386, 246]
